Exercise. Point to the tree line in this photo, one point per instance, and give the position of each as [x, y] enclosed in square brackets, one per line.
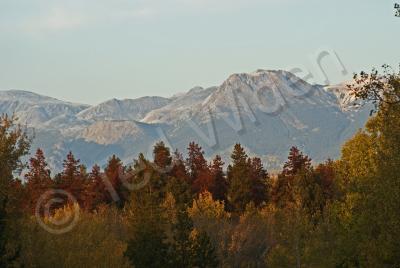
[191, 212]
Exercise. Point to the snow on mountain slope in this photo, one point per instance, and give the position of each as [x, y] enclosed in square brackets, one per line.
[345, 98]
[265, 111]
[181, 106]
[129, 109]
[35, 109]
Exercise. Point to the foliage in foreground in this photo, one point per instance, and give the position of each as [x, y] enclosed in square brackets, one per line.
[193, 213]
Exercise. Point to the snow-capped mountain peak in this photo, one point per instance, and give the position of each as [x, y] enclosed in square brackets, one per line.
[267, 111]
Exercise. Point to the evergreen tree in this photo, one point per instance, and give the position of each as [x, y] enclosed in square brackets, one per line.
[296, 162]
[284, 189]
[38, 180]
[162, 156]
[96, 192]
[204, 253]
[198, 169]
[148, 246]
[114, 172]
[178, 182]
[179, 169]
[327, 174]
[181, 243]
[72, 180]
[259, 178]
[188, 247]
[219, 184]
[239, 180]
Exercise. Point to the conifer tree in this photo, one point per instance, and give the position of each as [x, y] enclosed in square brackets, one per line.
[72, 180]
[327, 174]
[204, 253]
[178, 182]
[38, 180]
[148, 246]
[179, 169]
[259, 178]
[113, 171]
[296, 161]
[219, 184]
[96, 192]
[198, 169]
[162, 155]
[284, 189]
[239, 180]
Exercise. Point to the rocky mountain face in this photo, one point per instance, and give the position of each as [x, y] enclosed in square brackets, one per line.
[266, 111]
[123, 109]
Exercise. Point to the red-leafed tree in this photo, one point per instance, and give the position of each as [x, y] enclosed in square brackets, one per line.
[114, 172]
[96, 192]
[199, 172]
[38, 180]
[72, 179]
[162, 155]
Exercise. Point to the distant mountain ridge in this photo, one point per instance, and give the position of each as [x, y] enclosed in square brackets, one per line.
[128, 109]
[266, 111]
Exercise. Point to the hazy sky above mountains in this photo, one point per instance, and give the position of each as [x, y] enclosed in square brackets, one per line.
[92, 50]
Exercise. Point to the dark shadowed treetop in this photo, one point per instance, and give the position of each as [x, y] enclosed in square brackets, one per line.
[162, 155]
[296, 162]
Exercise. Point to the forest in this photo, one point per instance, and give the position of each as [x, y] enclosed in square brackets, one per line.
[179, 209]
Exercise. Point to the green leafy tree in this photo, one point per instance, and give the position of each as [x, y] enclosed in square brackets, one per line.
[14, 144]
[370, 167]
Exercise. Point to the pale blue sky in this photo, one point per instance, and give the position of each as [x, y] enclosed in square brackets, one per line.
[93, 50]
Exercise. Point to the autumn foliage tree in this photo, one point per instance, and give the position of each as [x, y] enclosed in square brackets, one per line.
[96, 192]
[198, 169]
[38, 180]
[162, 155]
[14, 144]
[72, 179]
[297, 162]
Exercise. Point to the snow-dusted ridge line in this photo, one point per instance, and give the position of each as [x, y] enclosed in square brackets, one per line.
[266, 111]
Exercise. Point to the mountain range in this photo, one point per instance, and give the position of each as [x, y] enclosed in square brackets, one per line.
[266, 111]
